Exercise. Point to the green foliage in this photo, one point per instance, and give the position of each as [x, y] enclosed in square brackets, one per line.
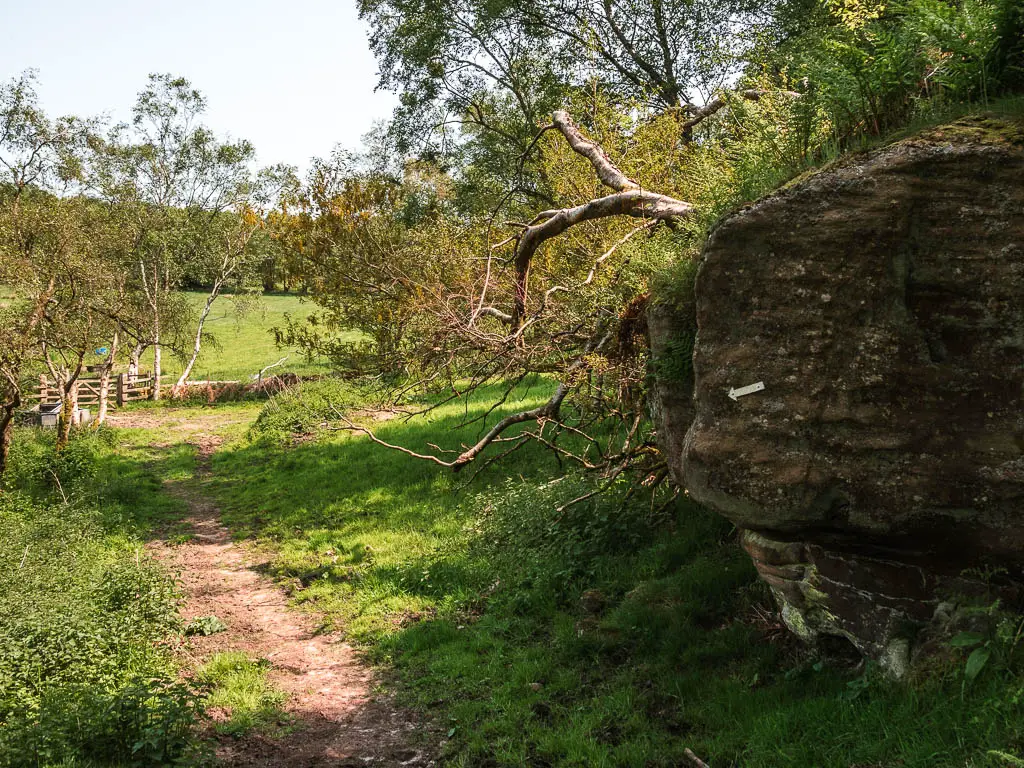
[205, 626]
[522, 520]
[674, 289]
[78, 669]
[1001, 643]
[867, 69]
[82, 673]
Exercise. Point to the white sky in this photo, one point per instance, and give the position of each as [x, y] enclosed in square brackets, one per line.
[294, 77]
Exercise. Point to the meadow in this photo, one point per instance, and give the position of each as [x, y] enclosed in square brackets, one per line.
[622, 631]
[239, 339]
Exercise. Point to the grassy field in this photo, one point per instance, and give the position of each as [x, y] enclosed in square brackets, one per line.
[240, 339]
[619, 633]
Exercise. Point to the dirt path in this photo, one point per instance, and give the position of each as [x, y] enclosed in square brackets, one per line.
[339, 719]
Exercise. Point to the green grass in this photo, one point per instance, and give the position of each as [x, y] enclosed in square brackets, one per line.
[618, 633]
[241, 341]
[481, 600]
[241, 692]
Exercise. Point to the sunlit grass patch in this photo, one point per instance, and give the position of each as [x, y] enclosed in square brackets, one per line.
[240, 338]
[240, 698]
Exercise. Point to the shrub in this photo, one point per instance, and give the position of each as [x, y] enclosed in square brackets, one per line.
[82, 674]
[304, 409]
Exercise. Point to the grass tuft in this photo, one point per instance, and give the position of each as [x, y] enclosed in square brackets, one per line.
[241, 698]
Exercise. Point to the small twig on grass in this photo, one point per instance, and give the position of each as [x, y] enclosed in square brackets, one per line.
[22, 563]
[694, 759]
[259, 376]
[59, 486]
[353, 427]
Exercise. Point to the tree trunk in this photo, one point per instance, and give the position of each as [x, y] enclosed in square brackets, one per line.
[101, 414]
[6, 431]
[68, 414]
[133, 362]
[156, 361]
[197, 344]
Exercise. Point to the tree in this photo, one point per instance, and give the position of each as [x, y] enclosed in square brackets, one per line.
[227, 235]
[42, 257]
[178, 182]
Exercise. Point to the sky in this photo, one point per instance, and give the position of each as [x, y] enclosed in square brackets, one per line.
[294, 77]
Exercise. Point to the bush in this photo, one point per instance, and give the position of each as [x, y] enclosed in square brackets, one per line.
[538, 531]
[37, 466]
[303, 410]
[82, 672]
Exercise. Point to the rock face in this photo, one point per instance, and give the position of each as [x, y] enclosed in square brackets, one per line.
[881, 303]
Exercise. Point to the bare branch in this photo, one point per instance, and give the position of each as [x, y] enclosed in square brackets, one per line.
[605, 169]
[351, 426]
[701, 114]
[495, 312]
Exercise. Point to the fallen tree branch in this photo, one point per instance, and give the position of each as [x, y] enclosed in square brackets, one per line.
[549, 410]
[353, 427]
[628, 199]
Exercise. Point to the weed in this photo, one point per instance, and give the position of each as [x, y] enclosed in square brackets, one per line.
[205, 626]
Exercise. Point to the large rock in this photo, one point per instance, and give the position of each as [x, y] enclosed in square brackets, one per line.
[881, 303]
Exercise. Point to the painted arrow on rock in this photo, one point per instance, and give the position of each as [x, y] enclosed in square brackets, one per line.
[736, 394]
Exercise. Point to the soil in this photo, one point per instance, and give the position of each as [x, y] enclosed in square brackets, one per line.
[339, 716]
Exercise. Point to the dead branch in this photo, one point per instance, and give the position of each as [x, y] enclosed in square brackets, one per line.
[697, 762]
[607, 254]
[629, 199]
[496, 313]
[700, 114]
[353, 427]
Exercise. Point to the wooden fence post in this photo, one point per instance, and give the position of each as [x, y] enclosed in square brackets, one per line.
[120, 389]
[42, 388]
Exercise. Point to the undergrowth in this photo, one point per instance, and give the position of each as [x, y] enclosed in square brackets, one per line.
[84, 676]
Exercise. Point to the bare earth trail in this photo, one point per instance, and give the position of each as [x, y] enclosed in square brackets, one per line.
[339, 719]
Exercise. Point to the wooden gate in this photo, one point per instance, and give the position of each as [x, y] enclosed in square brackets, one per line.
[122, 389]
[139, 388]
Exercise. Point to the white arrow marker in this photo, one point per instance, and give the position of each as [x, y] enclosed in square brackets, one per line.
[736, 394]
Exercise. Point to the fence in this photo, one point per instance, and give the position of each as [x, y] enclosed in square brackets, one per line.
[122, 388]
